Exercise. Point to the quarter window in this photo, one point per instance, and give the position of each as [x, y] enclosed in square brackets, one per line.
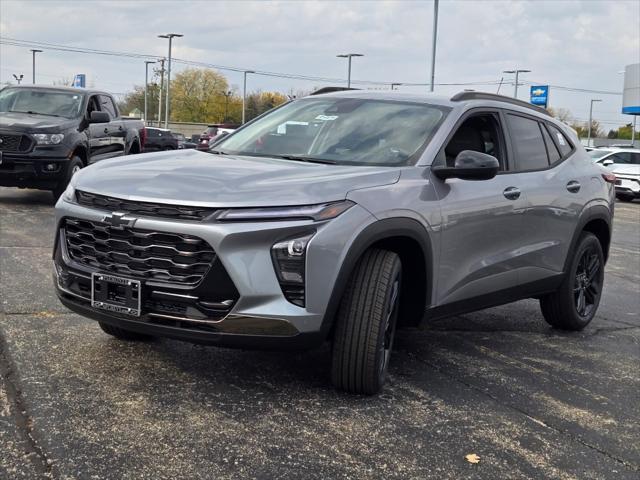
[561, 140]
[528, 143]
[554, 154]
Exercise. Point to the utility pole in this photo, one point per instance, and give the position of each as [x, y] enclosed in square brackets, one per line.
[33, 53]
[162, 60]
[146, 87]
[349, 56]
[433, 44]
[167, 107]
[590, 120]
[517, 72]
[244, 95]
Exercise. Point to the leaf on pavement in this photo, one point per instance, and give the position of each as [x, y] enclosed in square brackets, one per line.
[472, 458]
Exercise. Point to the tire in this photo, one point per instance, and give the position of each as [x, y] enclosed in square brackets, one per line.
[366, 323]
[575, 303]
[122, 334]
[72, 167]
[166, 149]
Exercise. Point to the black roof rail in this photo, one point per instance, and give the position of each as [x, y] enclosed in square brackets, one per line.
[322, 90]
[471, 95]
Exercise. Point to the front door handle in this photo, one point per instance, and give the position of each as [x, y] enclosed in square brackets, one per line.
[512, 193]
[573, 186]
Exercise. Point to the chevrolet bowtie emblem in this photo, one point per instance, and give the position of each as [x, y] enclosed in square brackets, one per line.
[119, 220]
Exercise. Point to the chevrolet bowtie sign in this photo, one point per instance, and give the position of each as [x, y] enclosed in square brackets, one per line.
[540, 95]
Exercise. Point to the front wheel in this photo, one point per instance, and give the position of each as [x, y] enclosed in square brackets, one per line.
[366, 323]
[74, 166]
[575, 303]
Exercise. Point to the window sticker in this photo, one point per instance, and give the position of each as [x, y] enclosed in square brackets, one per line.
[561, 138]
[326, 117]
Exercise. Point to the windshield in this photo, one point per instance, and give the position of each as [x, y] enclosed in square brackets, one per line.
[596, 154]
[43, 102]
[345, 131]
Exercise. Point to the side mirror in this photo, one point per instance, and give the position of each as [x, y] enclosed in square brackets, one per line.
[470, 165]
[99, 117]
[606, 163]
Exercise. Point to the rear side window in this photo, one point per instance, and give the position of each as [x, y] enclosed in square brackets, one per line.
[528, 143]
[635, 158]
[561, 140]
[554, 154]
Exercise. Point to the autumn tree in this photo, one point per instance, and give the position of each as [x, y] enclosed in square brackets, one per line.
[198, 95]
[562, 114]
[135, 99]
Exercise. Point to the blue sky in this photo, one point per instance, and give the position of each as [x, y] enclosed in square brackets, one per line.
[583, 44]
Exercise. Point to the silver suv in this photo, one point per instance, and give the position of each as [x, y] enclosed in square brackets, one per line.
[337, 217]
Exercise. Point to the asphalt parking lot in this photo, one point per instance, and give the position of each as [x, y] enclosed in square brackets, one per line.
[529, 401]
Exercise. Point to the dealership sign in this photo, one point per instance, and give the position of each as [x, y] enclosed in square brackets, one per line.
[540, 95]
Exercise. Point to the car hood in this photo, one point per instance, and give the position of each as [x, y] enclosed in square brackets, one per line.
[26, 122]
[190, 177]
[618, 169]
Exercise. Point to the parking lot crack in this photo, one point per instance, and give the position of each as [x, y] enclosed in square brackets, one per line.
[23, 422]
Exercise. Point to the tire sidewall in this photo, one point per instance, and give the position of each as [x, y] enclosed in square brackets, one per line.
[587, 241]
[75, 161]
[396, 274]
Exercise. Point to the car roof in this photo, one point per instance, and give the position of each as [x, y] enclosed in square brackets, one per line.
[59, 88]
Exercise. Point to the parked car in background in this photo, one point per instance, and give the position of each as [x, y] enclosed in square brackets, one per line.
[336, 216]
[49, 133]
[160, 139]
[214, 131]
[612, 157]
[183, 142]
[627, 181]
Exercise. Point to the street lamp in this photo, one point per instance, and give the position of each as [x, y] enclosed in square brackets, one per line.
[33, 52]
[18, 77]
[349, 56]
[244, 95]
[170, 36]
[146, 85]
[517, 72]
[590, 119]
[433, 44]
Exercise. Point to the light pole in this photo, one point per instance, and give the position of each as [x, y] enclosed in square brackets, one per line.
[517, 72]
[162, 60]
[433, 44]
[349, 56]
[18, 77]
[590, 120]
[33, 52]
[146, 86]
[244, 95]
[167, 106]
[226, 104]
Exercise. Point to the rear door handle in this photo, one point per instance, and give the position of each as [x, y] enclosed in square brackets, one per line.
[512, 193]
[573, 186]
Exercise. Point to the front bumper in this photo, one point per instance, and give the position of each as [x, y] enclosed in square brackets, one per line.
[259, 316]
[32, 171]
[628, 185]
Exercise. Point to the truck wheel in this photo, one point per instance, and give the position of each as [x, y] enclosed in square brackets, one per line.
[122, 334]
[74, 165]
[575, 303]
[366, 323]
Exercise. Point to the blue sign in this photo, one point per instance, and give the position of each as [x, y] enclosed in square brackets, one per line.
[540, 95]
[79, 80]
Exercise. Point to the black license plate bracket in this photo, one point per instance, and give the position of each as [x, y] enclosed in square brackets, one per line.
[116, 294]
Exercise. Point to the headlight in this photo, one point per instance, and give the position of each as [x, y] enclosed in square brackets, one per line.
[48, 138]
[323, 211]
[69, 195]
[289, 258]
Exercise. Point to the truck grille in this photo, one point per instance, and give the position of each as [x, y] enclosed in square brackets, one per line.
[150, 255]
[14, 143]
[148, 209]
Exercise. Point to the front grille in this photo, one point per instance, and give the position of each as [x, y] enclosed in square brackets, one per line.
[148, 209]
[14, 143]
[150, 255]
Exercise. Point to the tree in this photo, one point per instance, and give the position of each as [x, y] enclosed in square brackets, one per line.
[135, 99]
[260, 102]
[197, 95]
[582, 129]
[562, 114]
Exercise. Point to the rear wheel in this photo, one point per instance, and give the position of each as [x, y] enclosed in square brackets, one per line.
[366, 323]
[575, 303]
[74, 166]
[123, 334]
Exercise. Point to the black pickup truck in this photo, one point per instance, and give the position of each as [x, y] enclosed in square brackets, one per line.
[49, 133]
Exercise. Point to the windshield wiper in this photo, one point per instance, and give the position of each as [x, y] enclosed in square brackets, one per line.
[217, 152]
[299, 158]
[37, 113]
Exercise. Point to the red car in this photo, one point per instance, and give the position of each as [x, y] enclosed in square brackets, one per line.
[213, 131]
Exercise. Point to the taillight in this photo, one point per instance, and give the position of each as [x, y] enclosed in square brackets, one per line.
[609, 177]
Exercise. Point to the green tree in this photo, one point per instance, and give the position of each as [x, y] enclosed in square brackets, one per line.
[135, 99]
[197, 95]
